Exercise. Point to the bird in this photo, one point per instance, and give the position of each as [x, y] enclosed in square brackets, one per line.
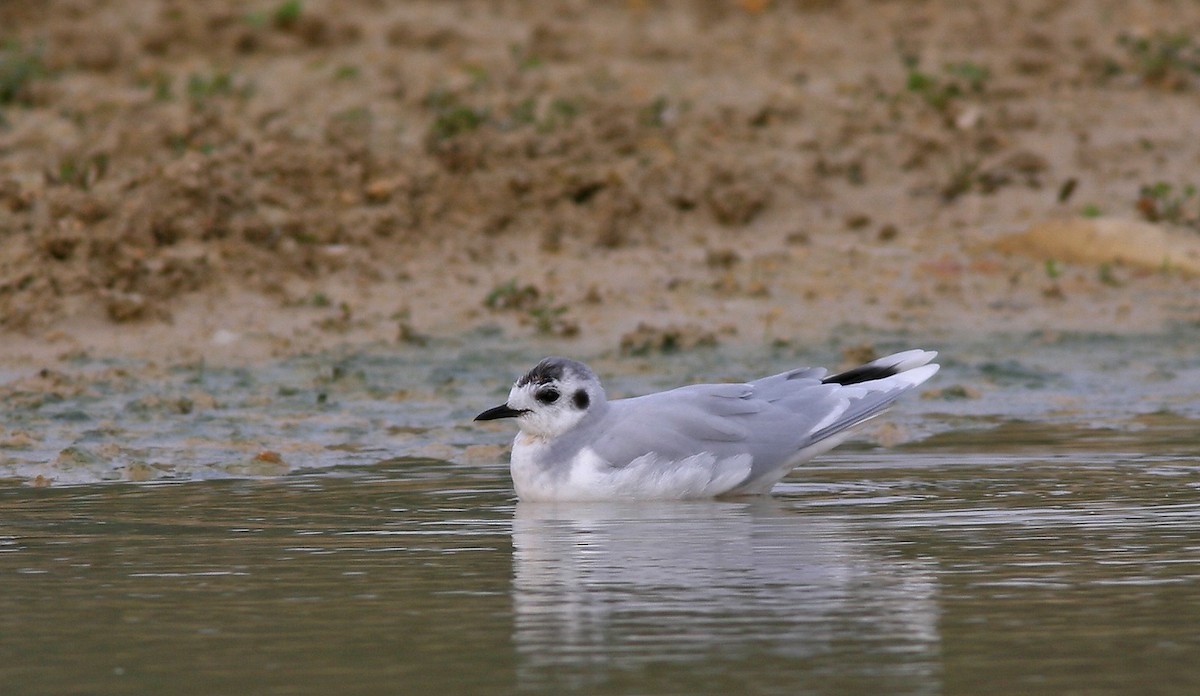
[692, 442]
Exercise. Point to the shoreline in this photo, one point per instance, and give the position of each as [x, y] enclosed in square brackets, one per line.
[617, 179]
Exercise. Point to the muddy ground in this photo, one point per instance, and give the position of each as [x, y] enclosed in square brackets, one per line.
[236, 181]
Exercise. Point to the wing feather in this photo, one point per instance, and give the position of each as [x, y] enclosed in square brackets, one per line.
[778, 420]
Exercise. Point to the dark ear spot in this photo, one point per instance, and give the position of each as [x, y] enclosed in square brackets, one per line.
[581, 399]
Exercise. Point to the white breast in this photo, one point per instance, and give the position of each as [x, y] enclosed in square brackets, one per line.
[587, 476]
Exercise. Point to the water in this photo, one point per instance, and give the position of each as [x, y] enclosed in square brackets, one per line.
[1037, 530]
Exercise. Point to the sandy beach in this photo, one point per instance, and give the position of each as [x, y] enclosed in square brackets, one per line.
[237, 182]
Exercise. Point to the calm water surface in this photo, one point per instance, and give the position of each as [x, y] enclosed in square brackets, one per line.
[1037, 532]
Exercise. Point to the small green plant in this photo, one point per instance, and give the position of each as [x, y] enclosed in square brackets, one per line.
[456, 121]
[257, 20]
[287, 13]
[559, 113]
[1162, 59]
[524, 112]
[80, 172]
[304, 236]
[353, 114]
[1052, 270]
[161, 83]
[548, 319]
[964, 176]
[975, 76]
[18, 67]
[524, 59]
[511, 296]
[1162, 202]
[1091, 210]
[202, 89]
[178, 143]
[1105, 275]
[654, 114]
[546, 316]
[940, 91]
[451, 117]
[479, 75]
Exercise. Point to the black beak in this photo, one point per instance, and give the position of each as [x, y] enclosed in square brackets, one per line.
[501, 411]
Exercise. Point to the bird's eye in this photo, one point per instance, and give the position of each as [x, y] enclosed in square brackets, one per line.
[547, 396]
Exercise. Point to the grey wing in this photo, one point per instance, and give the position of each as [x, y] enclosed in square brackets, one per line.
[778, 420]
[823, 413]
[768, 419]
[679, 423]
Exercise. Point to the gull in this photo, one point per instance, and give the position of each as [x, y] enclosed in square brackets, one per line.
[698, 441]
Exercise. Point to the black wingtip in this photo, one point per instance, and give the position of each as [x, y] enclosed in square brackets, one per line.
[862, 373]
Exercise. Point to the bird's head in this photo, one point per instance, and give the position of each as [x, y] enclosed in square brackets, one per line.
[551, 399]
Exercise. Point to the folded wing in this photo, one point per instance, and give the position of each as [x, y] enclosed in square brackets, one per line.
[779, 420]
